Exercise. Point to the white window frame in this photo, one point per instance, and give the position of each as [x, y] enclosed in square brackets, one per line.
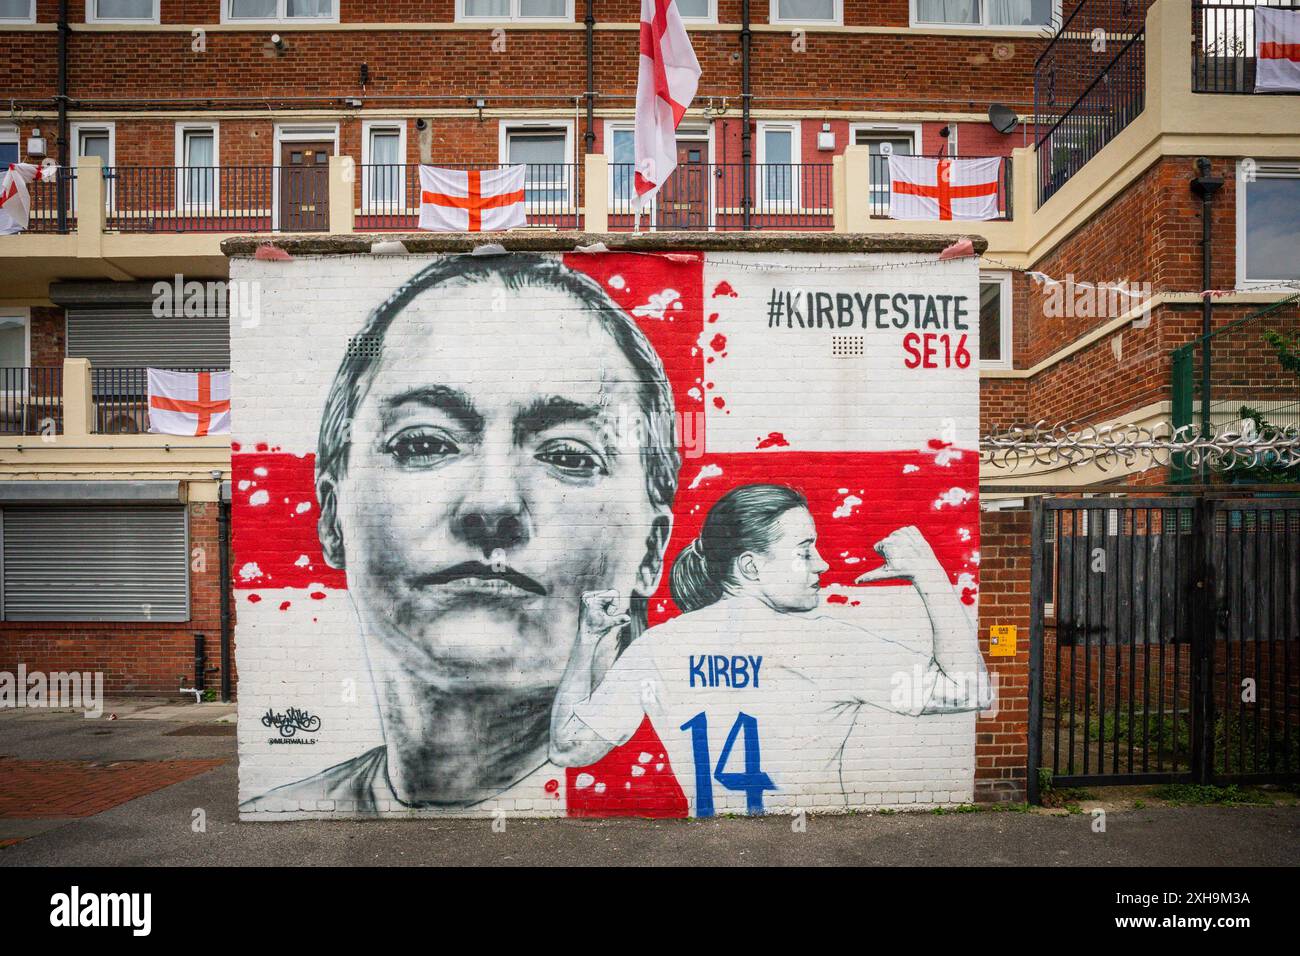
[710, 17]
[1006, 318]
[281, 15]
[886, 130]
[10, 134]
[296, 133]
[24, 313]
[774, 15]
[30, 18]
[687, 131]
[183, 201]
[514, 16]
[74, 133]
[506, 127]
[1271, 170]
[795, 128]
[367, 128]
[92, 18]
[983, 23]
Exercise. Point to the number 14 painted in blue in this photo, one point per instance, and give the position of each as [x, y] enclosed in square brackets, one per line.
[752, 782]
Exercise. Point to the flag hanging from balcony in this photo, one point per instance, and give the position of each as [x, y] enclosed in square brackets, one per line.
[15, 199]
[1277, 50]
[665, 85]
[189, 403]
[921, 187]
[471, 200]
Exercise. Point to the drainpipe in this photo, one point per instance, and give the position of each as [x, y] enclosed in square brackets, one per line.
[64, 30]
[746, 139]
[590, 21]
[1205, 185]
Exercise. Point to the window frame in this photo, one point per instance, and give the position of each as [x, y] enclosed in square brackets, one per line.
[710, 17]
[795, 203]
[25, 314]
[75, 130]
[281, 16]
[1280, 169]
[368, 128]
[30, 18]
[183, 203]
[774, 16]
[507, 127]
[1006, 319]
[514, 16]
[10, 133]
[92, 17]
[983, 24]
[884, 131]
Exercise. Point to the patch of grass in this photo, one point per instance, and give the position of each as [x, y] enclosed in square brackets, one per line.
[1199, 795]
[886, 811]
[1066, 796]
[1139, 804]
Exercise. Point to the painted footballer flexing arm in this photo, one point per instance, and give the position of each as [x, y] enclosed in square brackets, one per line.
[956, 678]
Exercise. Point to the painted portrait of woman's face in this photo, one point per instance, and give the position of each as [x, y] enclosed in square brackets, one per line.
[788, 575]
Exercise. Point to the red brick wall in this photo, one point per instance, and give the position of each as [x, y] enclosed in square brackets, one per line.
[48, 337]
[1001, 741]
[146, 659]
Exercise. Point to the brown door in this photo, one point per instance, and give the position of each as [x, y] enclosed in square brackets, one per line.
[305, 186]
[684, 200]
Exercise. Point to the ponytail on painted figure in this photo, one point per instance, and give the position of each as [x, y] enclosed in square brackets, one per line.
[744, 519]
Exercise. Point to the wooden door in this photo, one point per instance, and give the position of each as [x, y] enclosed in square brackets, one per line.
[304, 186]
[684, 200]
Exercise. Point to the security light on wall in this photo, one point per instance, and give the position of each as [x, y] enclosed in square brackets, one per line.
[825, 137]
[36, 148]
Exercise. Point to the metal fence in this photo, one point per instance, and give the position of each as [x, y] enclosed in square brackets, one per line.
[155, 199]
[728, 196]
[51, 209]
[1114, 98]
[1223, 50]
[880, 185]
[388, 195]
[121, 398]
[31, 401]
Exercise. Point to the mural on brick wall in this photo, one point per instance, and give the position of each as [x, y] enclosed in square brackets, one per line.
[647, 533]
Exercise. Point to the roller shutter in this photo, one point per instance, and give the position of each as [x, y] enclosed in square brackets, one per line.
[131, 337]
[115, 563]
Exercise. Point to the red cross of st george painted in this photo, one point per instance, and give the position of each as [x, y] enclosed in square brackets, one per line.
[205, 407]
[944, 191]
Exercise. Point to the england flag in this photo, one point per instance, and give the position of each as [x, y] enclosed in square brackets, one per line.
[189, 403]
[15, 199]
[665, 85]
[1277, 50]
[474, 200]
[921, 187]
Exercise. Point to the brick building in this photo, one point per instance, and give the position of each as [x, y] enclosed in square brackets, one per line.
[183, 122]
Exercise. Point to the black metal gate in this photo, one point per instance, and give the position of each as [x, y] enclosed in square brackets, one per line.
[1164, 641]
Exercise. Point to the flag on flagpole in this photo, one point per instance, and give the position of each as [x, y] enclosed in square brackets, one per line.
[474, 200]
[921, 187]
[666, 82]
[189, 403]
[1277, 50]
[15, 200]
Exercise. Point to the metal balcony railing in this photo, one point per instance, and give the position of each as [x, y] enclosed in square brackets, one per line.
[49, 215]
[1223, 44]
[712, 196]
[121, 399]
[880, 186]
[388, 194]
[31, 401]
[157, 199]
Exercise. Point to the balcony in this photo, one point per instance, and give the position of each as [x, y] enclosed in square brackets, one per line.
[1223, 44]
[31, 401]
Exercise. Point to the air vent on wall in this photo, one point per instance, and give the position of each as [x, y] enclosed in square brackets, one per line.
[847, 346]
[365, 346]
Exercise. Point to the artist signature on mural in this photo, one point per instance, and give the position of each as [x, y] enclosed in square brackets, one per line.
[290, 722]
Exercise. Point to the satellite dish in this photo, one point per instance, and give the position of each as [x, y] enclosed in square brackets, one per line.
[1002, 118]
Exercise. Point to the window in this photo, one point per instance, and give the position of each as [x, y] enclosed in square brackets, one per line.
[806, 11]
[881, 141]
[546, 151]
[995, 321]
[1268, 220]
[514, 10]
[778, 158]
[987, 13]
[15, 338]
[9, 152]
[121, 11]
[95, 563]
[235, 11]
[96, 140]
[702, 10]
[622, 163]
[21, 11]
[196, 155]
[383, 156]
